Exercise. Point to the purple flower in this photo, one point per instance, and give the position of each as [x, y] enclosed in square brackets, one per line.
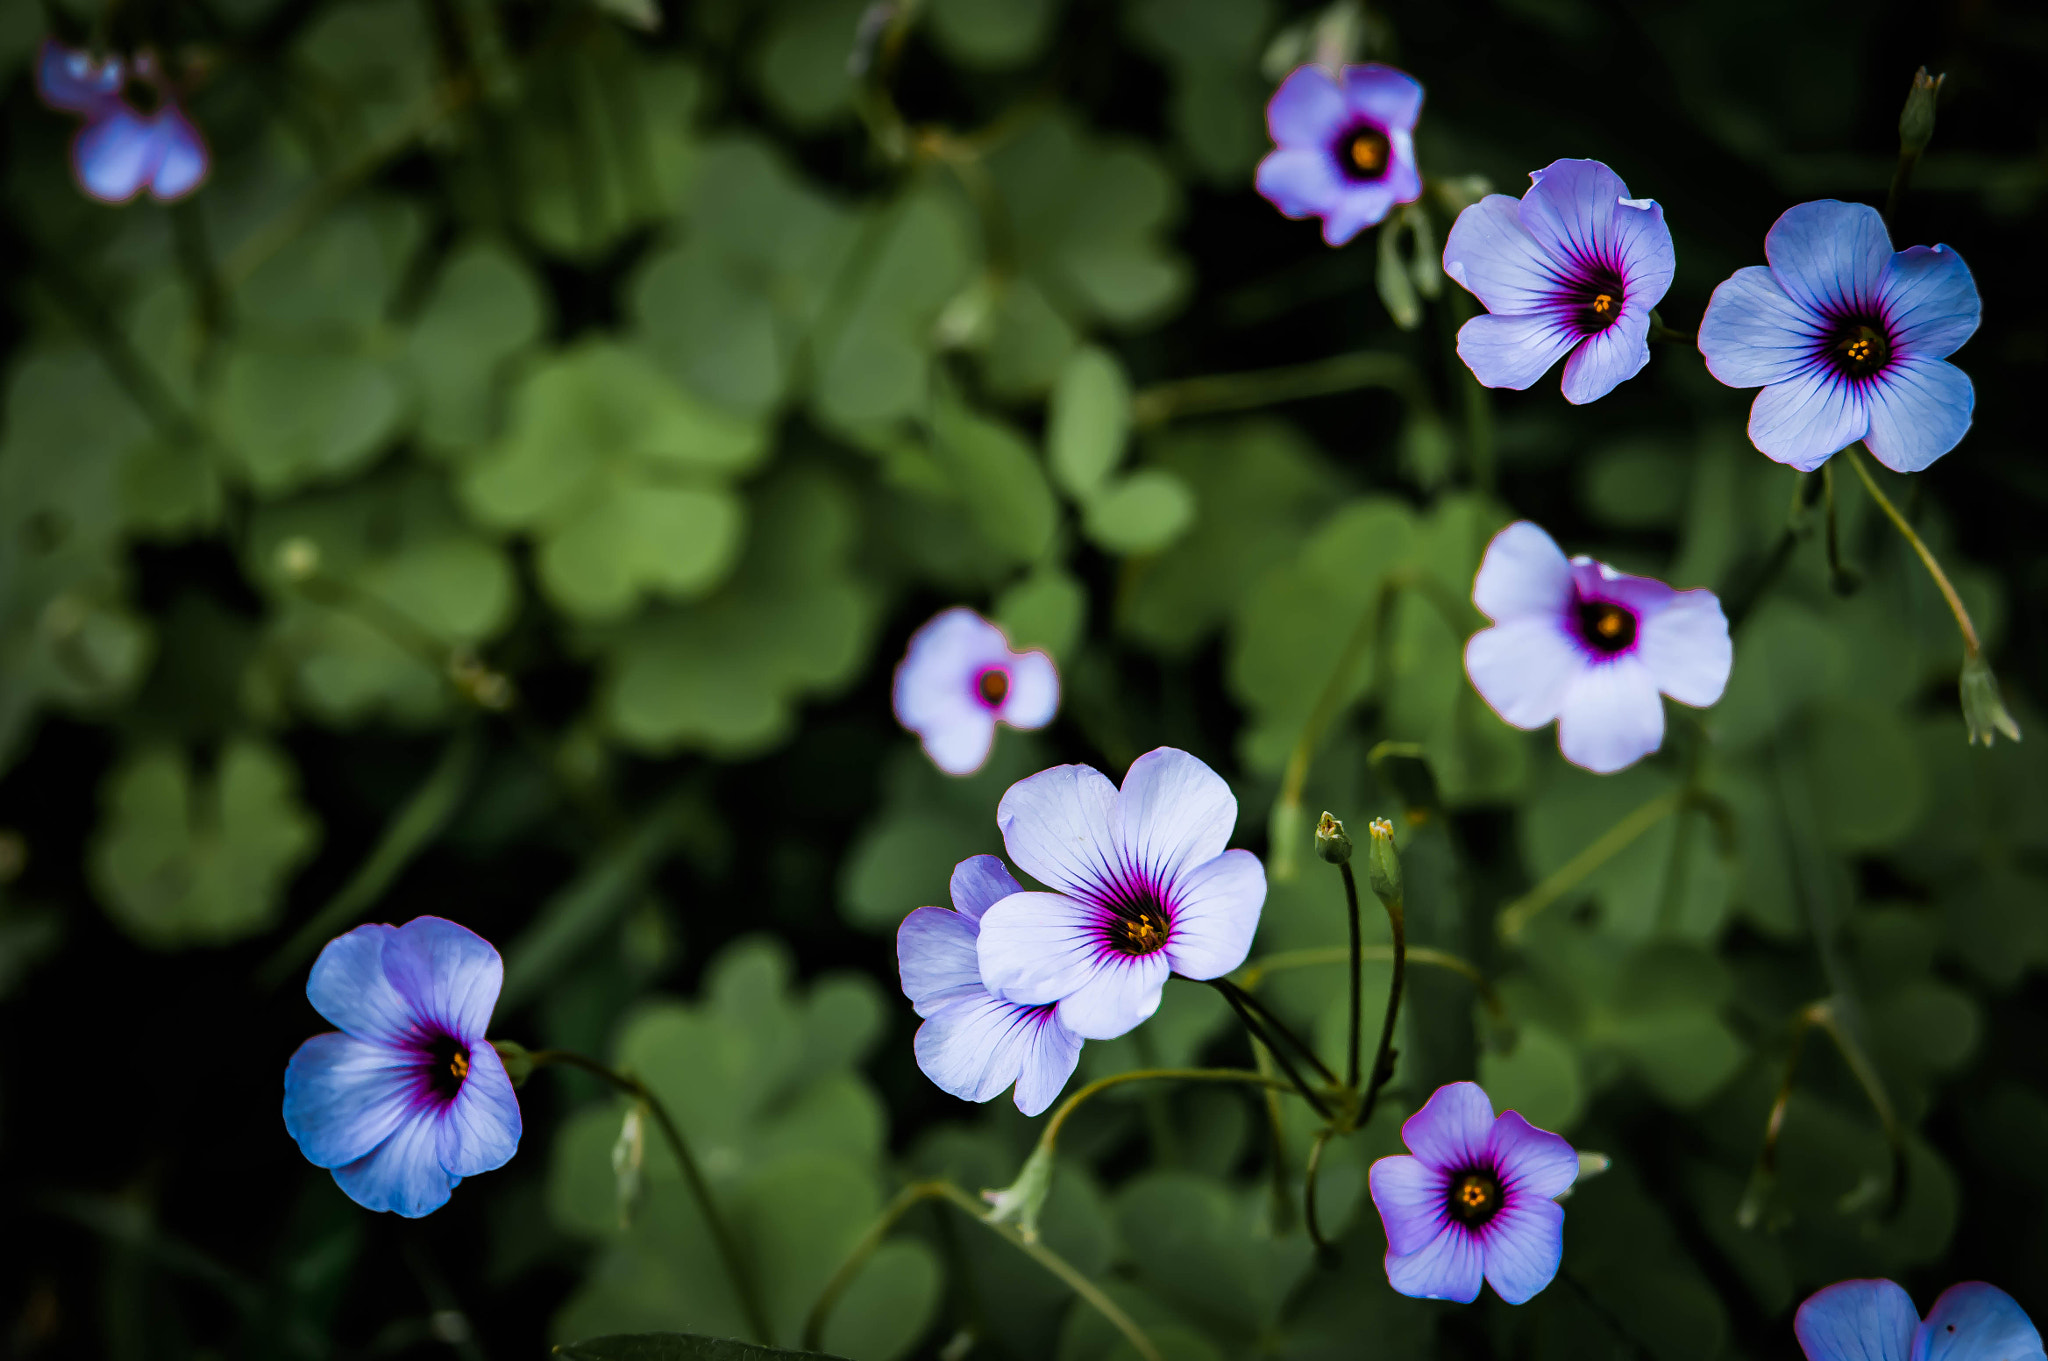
[1590, 647]
[1876, 1321]
[958, 679]
[1142, 888]
[1573, 268]
[1345, 150]
[1477, 1199]
[973, 1044]
[1848, 340]
[408, 1098]
[120, 152]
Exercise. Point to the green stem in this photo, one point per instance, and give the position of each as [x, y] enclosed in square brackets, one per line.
[1357, 975]
[1514, 918]
[1822, 1014]
[1741, 597]
[721, 1235]
[1259, 1036]
[1971, 647]
[1256, 972]
[1383, 1057]
[1220, 392]
[1066, 1108]
[1278, 1027]
[1308, 1191]
[1902, 175]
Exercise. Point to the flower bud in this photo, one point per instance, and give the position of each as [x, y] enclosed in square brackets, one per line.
[1383, 863]
[518, 1062]
[1019, 1203]
[1333, 843]
[1983, 710]
[1916, 120]
[629, 1157]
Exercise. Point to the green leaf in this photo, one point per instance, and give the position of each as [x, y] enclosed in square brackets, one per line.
[373, 61]
[1044, 610]
[802, 63]
[1089, 422]
[485, 308]
[1635, 484]
[992, 33]
[1142, 513]
[676, 1347]
[1539, 1076]
[996, 473]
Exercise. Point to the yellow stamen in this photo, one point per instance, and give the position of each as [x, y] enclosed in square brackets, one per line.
[459, 1065]
[1604, 304]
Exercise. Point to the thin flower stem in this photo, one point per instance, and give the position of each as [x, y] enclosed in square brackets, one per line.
[1383, 1057]
[1219, 392]
[1971, 647]
[1257, 971]
[728, 1246]
[1515, 917]
[1902, 175]
[1279, 1027]
[1066, 1109]
[1259, 1036]
[1822, 1014]
[1283, 1204]
[918, 1192]
[1357, 975]
[1308, 1191]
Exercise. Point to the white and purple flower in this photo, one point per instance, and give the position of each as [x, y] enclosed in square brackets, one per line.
[1572, 268]
[408, 1097]
[1142, 889]
[1848, 340]
[1876, 1321]
[1345, 149]
[1590, 647]
[972, 1043]
[121, 151]
[1476, 1201]
[959, 678]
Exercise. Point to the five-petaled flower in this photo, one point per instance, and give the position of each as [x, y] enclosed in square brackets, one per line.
[1572, 268]
[120, 151]
[959, 678]
[972, 1043]
[1578, 642]
[1476, 1200]
[408, 1097]
[1345, 150]
[1876, 1321]
[1848, 340]
[1142, 888]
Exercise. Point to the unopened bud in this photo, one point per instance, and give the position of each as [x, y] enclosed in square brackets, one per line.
[298, 558]
[1021, 1201]
[1984, 710]
[1916, 120]
[629, 1156]
[1333, 843]
[517, 1059]
[1383, 863]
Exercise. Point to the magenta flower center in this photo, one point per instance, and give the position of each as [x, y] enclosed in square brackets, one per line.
[1363, 153]
[1138, 923]
[447, 1066]
[1606, 627]
[1474, 1196]
[1595, 299]
[992, 686]
[1859, 346]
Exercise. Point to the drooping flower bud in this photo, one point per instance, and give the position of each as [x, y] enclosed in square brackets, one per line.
[1983, 709]
[629, 1159]
[1384, 863]
[1916, 120]
[1333, 843]
[1021, 1201]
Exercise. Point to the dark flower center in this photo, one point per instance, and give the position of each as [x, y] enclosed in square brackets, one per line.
[1140, 924]
[1365, 154]
[1596, 300]
[1606, 626]
[447, 1066]
[992, 686]
[1860, 346]
[1474, 1197]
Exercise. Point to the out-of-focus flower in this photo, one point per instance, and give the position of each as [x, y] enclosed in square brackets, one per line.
[973, 1044]
[1477, 1200]
[1572, 268]
[1142, 888]
[1876, 1321]
[959, 678]
[1578, 642]
[121, 151]
[1847, 339]
[408, 1097]
[1344, 146]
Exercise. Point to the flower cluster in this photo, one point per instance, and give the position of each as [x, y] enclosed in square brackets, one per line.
[121, 151]
[959, 678]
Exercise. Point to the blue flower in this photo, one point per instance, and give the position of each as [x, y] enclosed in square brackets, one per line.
[120, 151]
[1876, 1321]
[1847, 339]
[408, 1097]
[1572, 268]
[1345, 146]
[959, 678]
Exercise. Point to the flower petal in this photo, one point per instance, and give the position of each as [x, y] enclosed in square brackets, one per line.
[1523, 668]
[344, 1096]
[1828, 255]
[1809, 418]
[1919, 410]
[1641, 242]
[1392, 99]
[933, 690]
[977, 1047]
[1036, 948]
[1612, 717]
[1050, 1053]
[1365, 205]
[1410, 1196]
[1057, 827]
[1121, 996]
[348, 985]
[1570, 209]
[936, 958]
[1976, 1322]
[1754, 334]
[1301, 181]
[979, 883]
[182, 161]
[1492, 256]
[1686, 646]
[480, 1129]
[1523, 1245]
[959, 743]
[1530, 1161]
[1449, 1267]
[1524, 572]
[1930, 301]
[448, 974]
[1308, 110]
[1857, 1321]
[1451, 1130]
[1034, 691]
[1506, 351]
[1172, 814]
[403, 1174]
[1605, 361]
[115, 154]
[73, 81]
[1215, 914]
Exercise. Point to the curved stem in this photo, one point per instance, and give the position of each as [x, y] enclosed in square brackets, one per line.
[1383, 1057]
[1259, 1036]
[1218, 392]
[728, 1246]
[1256, 972]
[1357, 975]
[1514, 918]
[1066, 1109]
[1822, 1014]
[1308, 1191]
[1971, 647]
[1278, 1027]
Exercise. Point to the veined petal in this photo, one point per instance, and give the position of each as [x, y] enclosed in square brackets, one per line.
[1452, 1128]
[1449, 1267]
[1642, 243]
[1058, 827]
[1530, 1161]
[479, 1130]
[977, 1047]
[1215, 914]
[1122, 995]
[1522, 668]
[1410, 1196]
[937, 959]
[1390, 98]
[1857, 1321]
[1050, 1053]
[1300, 181]
[1809, 418]
[403, 1174]
[1570, 209]
[979, 883]
[1612, 716]
[1492, 256]
[1037, 948]
[1514, 351]
[448, 975]
[1524, 572]
[1686, 646]
[1828, 255]
[1034, 691]
[348, 985]
[1307, 110]
[1919, 410]
[1172, 814]
[344, 1096]
[1754, 334]
[1523, 1245]
[1605, 361]
[1976, 1322]
[1929, 301]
